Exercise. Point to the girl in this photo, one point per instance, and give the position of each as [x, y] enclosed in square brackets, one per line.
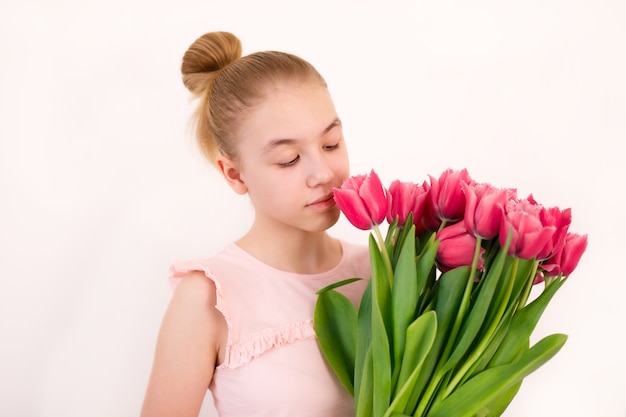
[240, 322]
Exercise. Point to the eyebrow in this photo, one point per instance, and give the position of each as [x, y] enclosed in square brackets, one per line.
[274, 143]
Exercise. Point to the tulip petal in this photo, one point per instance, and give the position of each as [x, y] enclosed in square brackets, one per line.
[374, 197]
[353, 208]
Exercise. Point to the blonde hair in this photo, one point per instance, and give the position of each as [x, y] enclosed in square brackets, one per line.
[228, 86]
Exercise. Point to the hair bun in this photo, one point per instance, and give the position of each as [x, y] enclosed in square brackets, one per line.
[206, 56]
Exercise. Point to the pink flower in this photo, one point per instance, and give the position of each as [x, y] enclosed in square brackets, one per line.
[363, 200]
[530, 235]
[484, 205]
[561, 220]
[446, 198]
[566, 260]
[404, 198]
[456, 248]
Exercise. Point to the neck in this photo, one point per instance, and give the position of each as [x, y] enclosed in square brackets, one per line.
[293, 250]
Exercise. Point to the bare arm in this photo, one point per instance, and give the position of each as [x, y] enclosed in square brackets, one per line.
[188, 348]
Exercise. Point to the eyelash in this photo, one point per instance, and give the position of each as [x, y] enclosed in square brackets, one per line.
[290, 163]
[294, 160]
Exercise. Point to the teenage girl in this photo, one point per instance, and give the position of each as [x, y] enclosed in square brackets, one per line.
[240, 322]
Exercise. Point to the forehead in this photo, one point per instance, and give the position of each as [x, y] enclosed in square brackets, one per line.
[290, 110]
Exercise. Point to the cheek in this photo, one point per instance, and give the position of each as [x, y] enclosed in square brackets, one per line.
[269, 198]
[342, 166]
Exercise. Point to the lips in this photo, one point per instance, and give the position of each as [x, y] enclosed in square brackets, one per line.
[323, 199]
[323, 202]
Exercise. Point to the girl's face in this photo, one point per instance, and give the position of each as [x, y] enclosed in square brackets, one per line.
[291, 156]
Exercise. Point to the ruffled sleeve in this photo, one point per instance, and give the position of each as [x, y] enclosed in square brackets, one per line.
[178, 270]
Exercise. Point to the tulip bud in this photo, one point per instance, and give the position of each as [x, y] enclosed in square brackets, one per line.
[404, 198]
[484, 205]
[530, 235]
[446, 198]
[456, 248]
[566, 260]
[363, 200]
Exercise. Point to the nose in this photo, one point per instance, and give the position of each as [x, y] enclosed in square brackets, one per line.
[320, 171]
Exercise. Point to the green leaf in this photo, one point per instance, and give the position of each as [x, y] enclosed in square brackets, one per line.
[522, 326]
[487, 386]
[451, 286]
[525, 275]
[363, 337]
[420, 338]
[425, 265]
[501, 331]
[403, 297]
[500, 404]
[526, 270]
[393, 233]
[338, 284]
[335, 321]
[381, 295]
[364, 402]
[475, 320]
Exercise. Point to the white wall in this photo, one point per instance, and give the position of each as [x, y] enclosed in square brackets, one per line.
[101, 186]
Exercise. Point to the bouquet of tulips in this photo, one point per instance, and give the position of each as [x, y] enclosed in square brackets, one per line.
[443, 328]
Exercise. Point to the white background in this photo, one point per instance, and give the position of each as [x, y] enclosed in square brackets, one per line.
[101, 185]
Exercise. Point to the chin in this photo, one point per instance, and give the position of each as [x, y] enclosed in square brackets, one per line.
[326, 222]
[333, 217]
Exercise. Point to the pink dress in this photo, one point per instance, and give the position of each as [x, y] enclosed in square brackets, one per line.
[273, 366]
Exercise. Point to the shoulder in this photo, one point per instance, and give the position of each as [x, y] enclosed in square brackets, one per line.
[194, 287]
[192, 316]
[194, 302]
[197, 301]
[189, 346]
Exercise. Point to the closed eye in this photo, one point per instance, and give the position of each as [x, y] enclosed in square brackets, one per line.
[331, 147]
[290, 163]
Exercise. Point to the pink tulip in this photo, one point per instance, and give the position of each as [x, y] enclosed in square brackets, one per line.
[484, 205]
[363, 200]
[530, 235]
[404, 198]
[446, 198]
[561, 220]
[456, 248]
[566, 260]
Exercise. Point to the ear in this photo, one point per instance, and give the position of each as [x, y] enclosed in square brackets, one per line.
[232, 174]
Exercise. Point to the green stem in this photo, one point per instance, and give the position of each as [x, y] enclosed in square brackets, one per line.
[385, 253]
[425, 401]
[465, 301]
[484, 341]
[528, 286]
[455, 329]
[470, 284]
